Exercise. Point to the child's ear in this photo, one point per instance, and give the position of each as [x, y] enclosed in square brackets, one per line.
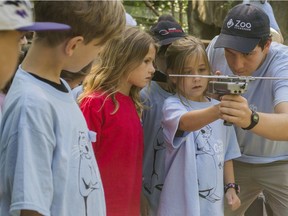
[72, 44]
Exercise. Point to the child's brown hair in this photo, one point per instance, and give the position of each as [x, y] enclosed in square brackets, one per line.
[178, 53]
[90, 19]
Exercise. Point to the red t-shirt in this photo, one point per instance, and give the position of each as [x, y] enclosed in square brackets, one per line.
[118, 150]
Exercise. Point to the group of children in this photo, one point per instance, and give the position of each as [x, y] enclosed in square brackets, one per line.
[48, 141]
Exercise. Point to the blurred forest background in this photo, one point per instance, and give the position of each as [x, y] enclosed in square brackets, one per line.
[201, 18]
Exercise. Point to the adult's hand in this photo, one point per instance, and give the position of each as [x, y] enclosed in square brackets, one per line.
[235, 109]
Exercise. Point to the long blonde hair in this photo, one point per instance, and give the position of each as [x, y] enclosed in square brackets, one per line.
[119, 57]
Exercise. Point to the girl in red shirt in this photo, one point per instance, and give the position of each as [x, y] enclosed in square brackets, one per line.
[110, 103]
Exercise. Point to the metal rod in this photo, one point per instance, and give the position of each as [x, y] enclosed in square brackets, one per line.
[228, 77]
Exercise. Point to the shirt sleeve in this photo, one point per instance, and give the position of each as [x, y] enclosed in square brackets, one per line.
[91, 109]
[233, 150]
[30, 151]
[172, 112]
[280, 86]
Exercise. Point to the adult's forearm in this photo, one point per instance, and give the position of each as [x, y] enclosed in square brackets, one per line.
[272, 126]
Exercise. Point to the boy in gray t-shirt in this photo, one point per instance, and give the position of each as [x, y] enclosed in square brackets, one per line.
[47, 166]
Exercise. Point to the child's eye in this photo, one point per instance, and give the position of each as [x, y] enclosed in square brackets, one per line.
[202, 70]
[187, 72]
[147, 61]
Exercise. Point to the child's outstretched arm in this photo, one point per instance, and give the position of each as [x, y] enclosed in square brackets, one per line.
[230, 188]
[196, 119]
[29, 213]
[144, 205]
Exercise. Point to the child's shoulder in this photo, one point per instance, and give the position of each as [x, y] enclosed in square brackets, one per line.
[24, 86]
[28, 91]
[173, 99]
[96, 97]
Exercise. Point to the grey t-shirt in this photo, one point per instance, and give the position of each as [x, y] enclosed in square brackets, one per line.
[153, 97]
[262, 96]
[194, 162]
[267, 8]
[77, 91]
[46, 158]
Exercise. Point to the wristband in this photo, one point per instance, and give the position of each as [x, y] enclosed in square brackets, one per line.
[232, 185]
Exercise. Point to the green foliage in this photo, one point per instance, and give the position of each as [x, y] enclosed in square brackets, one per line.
[146, 16]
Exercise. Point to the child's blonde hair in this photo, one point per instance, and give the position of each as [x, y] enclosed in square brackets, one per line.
[177, 54]
[103, 19]
[118, 57]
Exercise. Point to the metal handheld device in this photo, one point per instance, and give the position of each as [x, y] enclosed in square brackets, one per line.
[224, 85]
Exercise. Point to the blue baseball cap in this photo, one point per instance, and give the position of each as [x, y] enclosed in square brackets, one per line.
[243, 28]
